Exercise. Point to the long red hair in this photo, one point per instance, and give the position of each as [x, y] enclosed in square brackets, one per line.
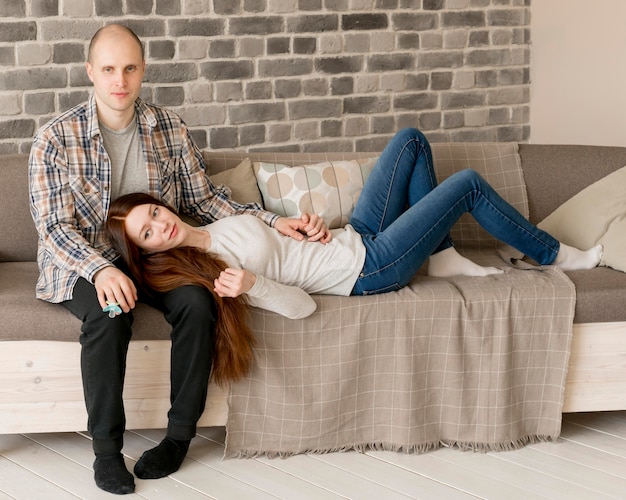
[164, 271]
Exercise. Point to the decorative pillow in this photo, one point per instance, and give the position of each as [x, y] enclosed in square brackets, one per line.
[241, 182]
[329, 189]
[596, 215]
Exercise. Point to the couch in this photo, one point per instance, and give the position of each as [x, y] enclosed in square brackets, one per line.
[40, 382]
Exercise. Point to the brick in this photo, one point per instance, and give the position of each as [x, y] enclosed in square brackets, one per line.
[476, 117]
[499, 116]
[342, 85]
[33, 79]
[11, 104]
[508, 95]
[309, 4]
[13, 8]
[170, 72]
[463, 100]
[356, 126]
[433, 4]
[169, 96]
[251, 47]
[373, 104]
[167, 7]
[334, 65]
[473, 135]
[315, 87]
[408, 40]
[139, 7]
[145, 28]
[285, 89]
[257, 25]
[326, 146]
[366, 84]
[515, 76]
[199, 137]
[357, 42]
[313, 23]
[285, 67]
[196, 27]
[373, 144]
[223, 137]
[68, 100]
[7, 56]
[34, 54]
[219, 49]
[278, 45]
[44, 8]
[227, 7]
[383, 124]
[306, 131]
[304, 45]
[78, 8]
[414, 22]
[382, 41]
[463, 19]
[278, 132]
[448, 59]
[64, 53]
[331, 128]
[390, 62]
[200, 92]
[258, 90]
[479, 38]
[252, 134]
[493, 57]
[419, 81]
[109, 7]
[393, 82]
[78, 77]
[203, 115]
[323, 108]
[441, 80]
[13, 129]
[387, 4]
[193, 48]
[454, 119]
[429, 121]
[256, 112]
[227, 70]
[487, 78]
[364, 22]
[254, 5]
[161, 49]
[512, 133]
[18, 32]
[53, 29]
[507, 17]
[41, 103]
[415, 101]
[431, 40]
[331, 44]
[228, 91]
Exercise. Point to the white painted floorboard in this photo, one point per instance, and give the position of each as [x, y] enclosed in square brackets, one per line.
[588, 463]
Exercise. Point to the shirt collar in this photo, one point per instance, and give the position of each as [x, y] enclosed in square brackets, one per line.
[145, 115]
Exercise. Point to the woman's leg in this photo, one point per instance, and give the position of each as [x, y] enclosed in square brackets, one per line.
[395, 254]
[403, 175]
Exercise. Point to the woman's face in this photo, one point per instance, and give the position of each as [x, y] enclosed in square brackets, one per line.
[154, 228]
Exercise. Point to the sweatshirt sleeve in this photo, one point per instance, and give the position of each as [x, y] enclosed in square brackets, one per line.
[289, 301]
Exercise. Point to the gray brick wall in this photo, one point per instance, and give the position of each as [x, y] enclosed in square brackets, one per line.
[289, 75]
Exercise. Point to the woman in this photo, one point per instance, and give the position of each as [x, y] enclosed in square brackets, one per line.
[402, 218]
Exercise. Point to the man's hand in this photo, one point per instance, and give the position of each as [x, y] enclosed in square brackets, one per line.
[113, 285]
[310, 225]
[234, 282]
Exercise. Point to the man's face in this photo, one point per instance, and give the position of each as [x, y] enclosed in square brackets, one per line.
[116, 69]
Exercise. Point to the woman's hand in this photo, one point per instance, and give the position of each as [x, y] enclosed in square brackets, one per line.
[233, 282]
[310, 225]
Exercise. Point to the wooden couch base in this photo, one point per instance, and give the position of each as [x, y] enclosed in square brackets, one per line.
[41, 390]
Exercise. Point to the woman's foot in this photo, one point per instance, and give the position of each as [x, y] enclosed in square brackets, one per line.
[573, 259]
[449, 262]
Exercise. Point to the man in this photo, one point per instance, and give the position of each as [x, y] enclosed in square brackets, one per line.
[108, 146]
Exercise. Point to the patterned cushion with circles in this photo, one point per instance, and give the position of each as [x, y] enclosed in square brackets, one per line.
[329, 189]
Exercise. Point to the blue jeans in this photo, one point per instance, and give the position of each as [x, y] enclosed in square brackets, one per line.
[403, 216]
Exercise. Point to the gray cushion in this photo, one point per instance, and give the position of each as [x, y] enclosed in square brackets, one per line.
[18, 238]
[26, 318]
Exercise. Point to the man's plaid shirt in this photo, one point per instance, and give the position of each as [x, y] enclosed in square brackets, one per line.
[70, 179]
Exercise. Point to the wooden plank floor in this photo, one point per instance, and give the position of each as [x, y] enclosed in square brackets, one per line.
[589, 463]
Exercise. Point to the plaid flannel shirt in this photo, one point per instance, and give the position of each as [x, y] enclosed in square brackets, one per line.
[70, 179]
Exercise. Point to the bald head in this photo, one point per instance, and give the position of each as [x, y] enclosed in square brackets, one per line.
[113, 31]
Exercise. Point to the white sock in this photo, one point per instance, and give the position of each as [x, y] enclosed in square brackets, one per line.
[573, 259]
[449, 262]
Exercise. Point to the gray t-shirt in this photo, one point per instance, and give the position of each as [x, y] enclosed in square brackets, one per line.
[128, 169]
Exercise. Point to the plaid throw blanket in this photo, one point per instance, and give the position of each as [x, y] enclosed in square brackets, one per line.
[477, 363]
